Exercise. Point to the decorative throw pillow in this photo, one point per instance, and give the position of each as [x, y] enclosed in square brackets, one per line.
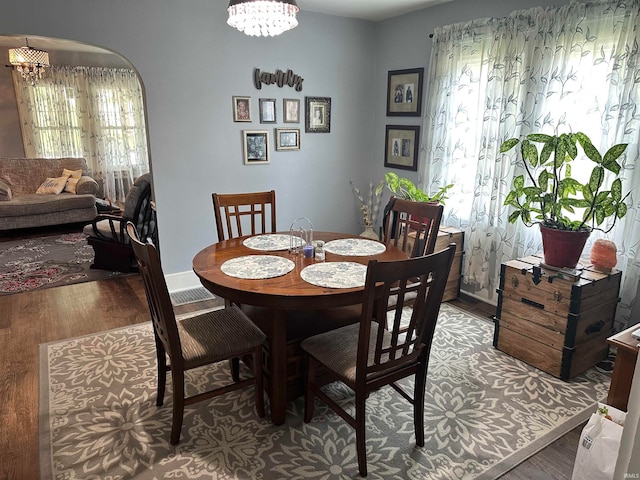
[52, 185]
[72, 181]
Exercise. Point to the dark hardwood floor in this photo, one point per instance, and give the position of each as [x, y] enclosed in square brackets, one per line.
[40, 316]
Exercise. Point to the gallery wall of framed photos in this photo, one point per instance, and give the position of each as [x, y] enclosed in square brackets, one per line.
[404, 99]
[269, 110]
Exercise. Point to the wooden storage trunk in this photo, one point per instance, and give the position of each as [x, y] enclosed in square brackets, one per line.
[554, 321]
[447, 235]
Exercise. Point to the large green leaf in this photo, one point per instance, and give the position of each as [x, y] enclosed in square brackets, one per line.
[561, 153]
[530, 153]
[616, 190]
[587, 193]
[612, 155]
[511, 199]
[578, 202]
[570, 146]
[622, 210]
[514, 216]
[531, 192]
[508, 145]
[543, 179]
[597, 177]
[540, 138]
[547, 150]
[518, 183]
[571, 185]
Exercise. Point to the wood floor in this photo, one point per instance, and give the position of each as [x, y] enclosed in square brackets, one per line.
[40, 316]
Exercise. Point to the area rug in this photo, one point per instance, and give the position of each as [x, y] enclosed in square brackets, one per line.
[48, 261]
[485, 413]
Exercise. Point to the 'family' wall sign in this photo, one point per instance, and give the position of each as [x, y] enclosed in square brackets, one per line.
[279, 77]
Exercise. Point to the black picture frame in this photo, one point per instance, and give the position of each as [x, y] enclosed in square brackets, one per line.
[404, 92]
[401, 147]
[317, 115]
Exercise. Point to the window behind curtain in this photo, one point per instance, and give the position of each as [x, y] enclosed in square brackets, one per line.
[550, 70]
[95, 113]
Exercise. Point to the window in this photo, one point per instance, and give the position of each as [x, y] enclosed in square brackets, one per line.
[88, 112]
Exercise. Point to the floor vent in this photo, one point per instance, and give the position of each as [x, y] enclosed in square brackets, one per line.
[192, 295]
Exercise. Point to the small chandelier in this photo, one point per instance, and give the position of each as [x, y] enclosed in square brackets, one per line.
[265, 18]
[30, 62]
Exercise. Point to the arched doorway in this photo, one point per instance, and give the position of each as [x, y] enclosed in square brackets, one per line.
[96, 120]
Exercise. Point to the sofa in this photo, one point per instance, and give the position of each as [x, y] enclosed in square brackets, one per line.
[22, 207]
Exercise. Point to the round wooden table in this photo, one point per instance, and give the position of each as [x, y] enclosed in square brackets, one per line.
[279, 295]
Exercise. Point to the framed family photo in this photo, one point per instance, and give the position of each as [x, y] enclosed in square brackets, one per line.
[401, 147]
[267, 110]
[241, 109]
[287, 139]
[404, 92]
[317, 115]
[291, 110]
[256, 146]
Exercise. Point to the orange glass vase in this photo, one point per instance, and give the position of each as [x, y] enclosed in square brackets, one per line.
[603, 255]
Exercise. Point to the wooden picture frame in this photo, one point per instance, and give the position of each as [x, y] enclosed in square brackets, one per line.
[256, 146]
[267, 108]
[401, 147]
[241, 109]
[291, 110]
[287, 139]
[404, 92]
[317, 114]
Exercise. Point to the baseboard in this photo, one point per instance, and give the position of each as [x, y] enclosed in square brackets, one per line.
[182, 281]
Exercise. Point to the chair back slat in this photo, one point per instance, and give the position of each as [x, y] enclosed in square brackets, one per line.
[412, 226]
[162, 315]
[409, 330]
[257, 211]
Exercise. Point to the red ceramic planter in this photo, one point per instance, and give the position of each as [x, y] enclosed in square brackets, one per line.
[562, 248]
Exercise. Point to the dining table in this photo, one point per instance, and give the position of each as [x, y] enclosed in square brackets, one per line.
[271, 272]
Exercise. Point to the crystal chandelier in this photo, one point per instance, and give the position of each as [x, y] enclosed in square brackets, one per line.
[30, 62]
[265, 18]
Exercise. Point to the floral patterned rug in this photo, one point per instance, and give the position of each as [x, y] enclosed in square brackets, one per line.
[47, 261]
[485, 413]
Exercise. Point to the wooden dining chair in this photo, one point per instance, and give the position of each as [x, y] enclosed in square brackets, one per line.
[233, 211]
[411, 226]
[365, 356]
[196, 341]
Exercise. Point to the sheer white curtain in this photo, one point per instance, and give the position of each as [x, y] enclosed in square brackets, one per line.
[95, 113]
[552, 70]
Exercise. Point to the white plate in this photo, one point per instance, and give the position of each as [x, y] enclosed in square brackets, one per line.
[254, 267]
[355, 247]
[335, 274]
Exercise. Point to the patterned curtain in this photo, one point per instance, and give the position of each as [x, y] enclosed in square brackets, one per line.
[551, 70]
[95, 113]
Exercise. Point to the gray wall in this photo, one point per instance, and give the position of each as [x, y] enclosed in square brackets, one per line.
[191, 64]
[403, 42]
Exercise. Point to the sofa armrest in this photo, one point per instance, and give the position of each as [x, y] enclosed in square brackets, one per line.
[86, 185]
[5, 191]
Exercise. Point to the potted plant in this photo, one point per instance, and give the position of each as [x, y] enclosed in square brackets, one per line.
[405, 188]
[566, 210]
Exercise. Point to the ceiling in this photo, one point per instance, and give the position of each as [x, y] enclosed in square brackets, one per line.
[374, 10]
